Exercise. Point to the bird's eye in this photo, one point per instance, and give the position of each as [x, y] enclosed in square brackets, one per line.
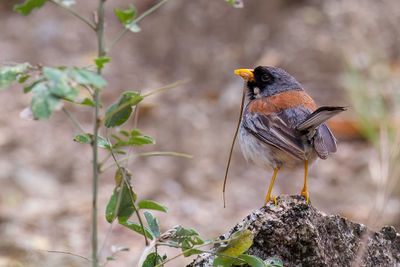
[266, 78]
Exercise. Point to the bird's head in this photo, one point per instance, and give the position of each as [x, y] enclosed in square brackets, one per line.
[267, 81]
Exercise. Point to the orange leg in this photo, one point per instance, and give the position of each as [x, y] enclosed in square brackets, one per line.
[271, 185]
[304, 192]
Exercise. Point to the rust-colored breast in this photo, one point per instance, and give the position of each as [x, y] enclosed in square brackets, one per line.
[278, 102]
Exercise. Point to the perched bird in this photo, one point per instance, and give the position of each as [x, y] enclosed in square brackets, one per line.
[281, 126]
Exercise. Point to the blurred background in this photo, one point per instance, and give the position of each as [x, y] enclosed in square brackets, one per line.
[344, 52]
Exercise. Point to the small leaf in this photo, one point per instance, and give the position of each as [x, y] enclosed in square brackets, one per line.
[119, 112]
[26, 7]
[126, 16]
[83, 139]
[87, 102]
[43, 102]
[221, 261]
[253, 261]
[101, 62]
[87, 77]
[235, 3]
[29, 87]
[151, 205]
[121, 203]
[10, 74]
[152, 260]
[135, 138]
[110, 258]
[239, 243]
[137, 228]
[58, 83]
[88, 137]
[23, 78]
[153, 224]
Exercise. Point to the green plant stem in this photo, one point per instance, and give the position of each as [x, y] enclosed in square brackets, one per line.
[149, 154]
[142, 16]
[74, 120]
[76, 14]
[96, 99]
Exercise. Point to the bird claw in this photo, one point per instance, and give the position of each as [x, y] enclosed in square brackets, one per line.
[306, 195]
[272, 198]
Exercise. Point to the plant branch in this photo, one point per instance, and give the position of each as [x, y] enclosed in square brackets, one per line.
[96, 98]
[165, 88]
[67, 253]
[76, 14]
[142, 16]
[74, 120]
[150, 154]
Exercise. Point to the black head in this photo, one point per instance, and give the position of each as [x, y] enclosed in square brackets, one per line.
[271, 81]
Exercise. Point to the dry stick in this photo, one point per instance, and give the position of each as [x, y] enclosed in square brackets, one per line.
[233, 144]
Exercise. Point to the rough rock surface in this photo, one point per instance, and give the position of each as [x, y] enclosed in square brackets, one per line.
[300, 235]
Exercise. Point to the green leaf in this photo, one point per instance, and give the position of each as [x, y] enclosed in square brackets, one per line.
[235, 3]
[29, 87]
[26, 7]
[273, 262]
[10, 74]
[152, 260]
[187, 238]
[239, 243]
[253, 261]
[135, 138]
[153, 224]
[88, 137]
[221, 261]
[87, 77]
[119, 112]
[121, 203]
[43, 102]
[126, 16]
[101, 62]
[151, 205]
[137, 228]
[58, 83]
[87, 102]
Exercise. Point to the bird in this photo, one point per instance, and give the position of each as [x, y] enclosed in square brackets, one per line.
[281, 126]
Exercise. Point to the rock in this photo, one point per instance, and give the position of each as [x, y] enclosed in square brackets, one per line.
[300, 235]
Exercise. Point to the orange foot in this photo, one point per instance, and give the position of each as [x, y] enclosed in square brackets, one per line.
[271, 198]
[306, 195]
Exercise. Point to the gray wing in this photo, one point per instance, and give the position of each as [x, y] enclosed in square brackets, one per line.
[324, 141]
[279, 129]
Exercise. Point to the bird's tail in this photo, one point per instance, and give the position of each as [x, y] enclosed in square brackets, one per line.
[318, 117]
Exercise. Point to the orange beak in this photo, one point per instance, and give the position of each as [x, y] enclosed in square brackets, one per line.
[246, 74]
